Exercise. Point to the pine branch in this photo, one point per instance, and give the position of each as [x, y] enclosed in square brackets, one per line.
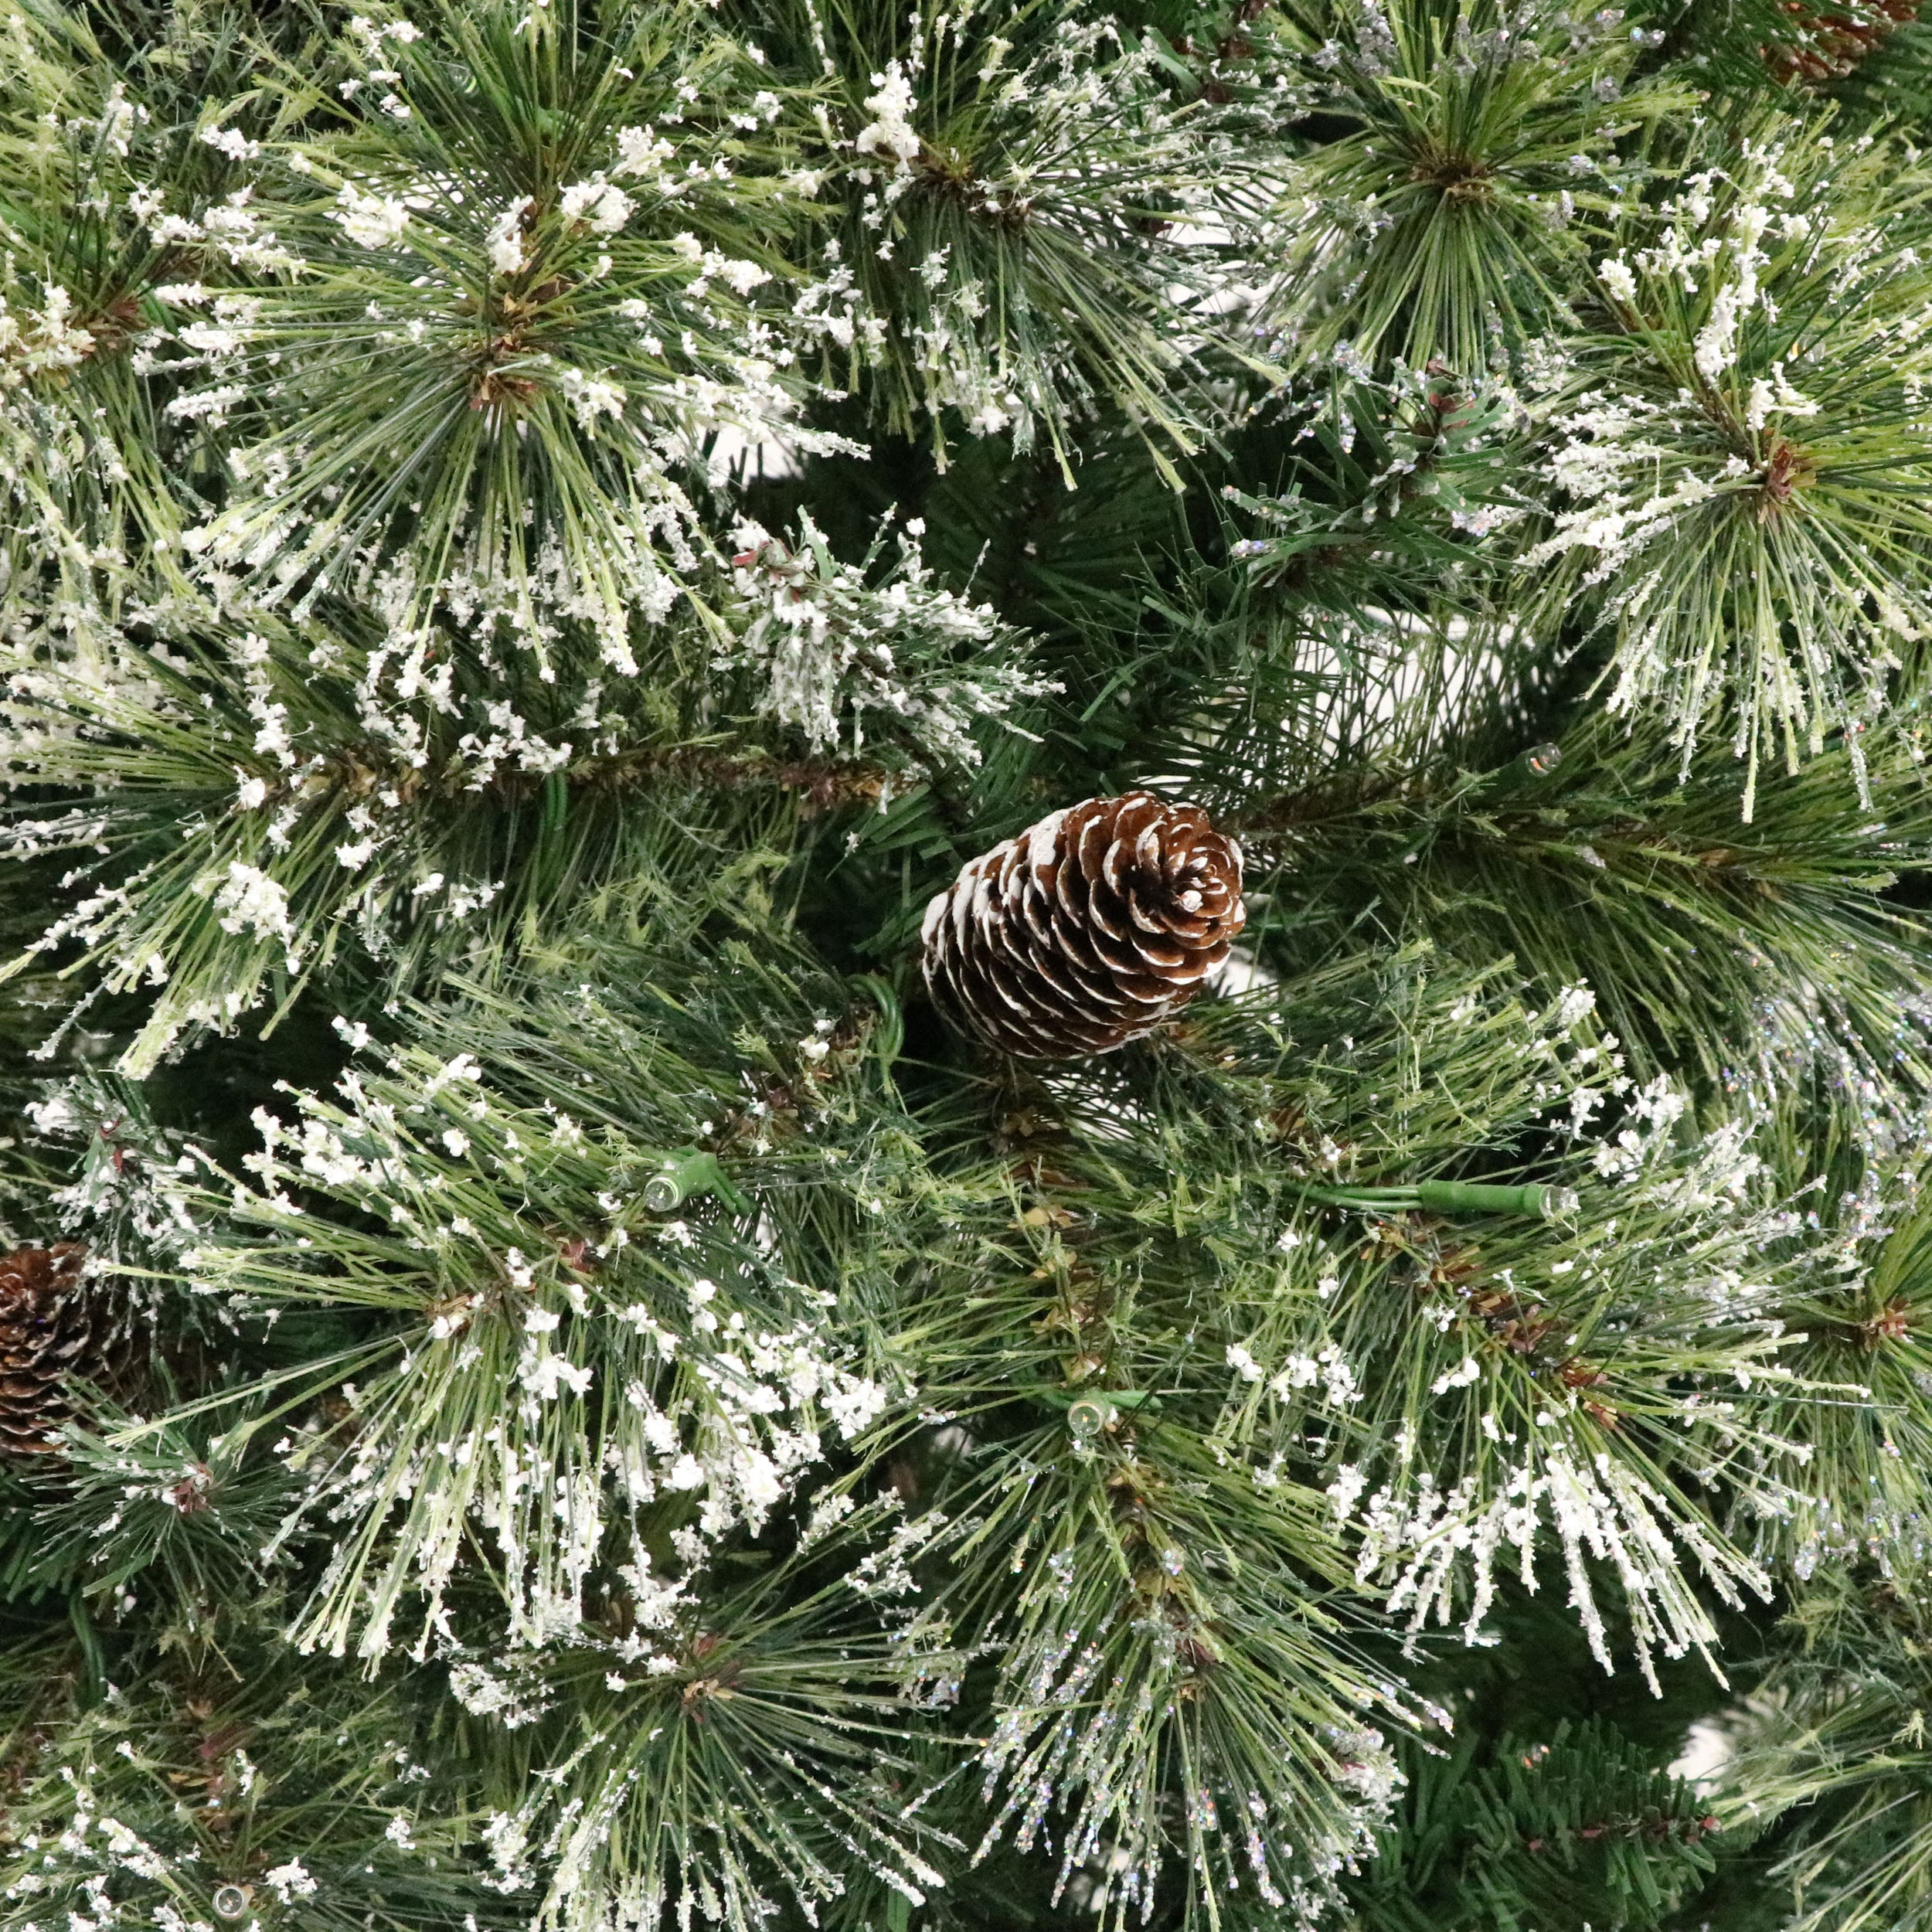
[1737, 524]
[1831, 1747]
[1027, 177]
[1479, 164]
[340, 805]
[1757, 957]
[210, 1791]
[1505, 1832]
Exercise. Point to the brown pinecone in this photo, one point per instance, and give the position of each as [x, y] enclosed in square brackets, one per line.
[54, 1324]
[1090, 929]
[1832, 45]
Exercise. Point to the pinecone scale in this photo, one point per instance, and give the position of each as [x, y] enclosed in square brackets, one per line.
[1090, 929]
[56, 1329]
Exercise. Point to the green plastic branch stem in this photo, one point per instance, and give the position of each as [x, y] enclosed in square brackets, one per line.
[1535, 1198]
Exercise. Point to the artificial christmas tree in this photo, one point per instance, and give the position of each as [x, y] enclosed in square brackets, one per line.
[965, 965]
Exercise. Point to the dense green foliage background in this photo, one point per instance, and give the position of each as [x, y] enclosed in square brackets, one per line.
[539, 534]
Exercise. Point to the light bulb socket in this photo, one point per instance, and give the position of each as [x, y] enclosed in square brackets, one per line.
[1088, 1415]
[1535, 1198]
[687, 1171]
